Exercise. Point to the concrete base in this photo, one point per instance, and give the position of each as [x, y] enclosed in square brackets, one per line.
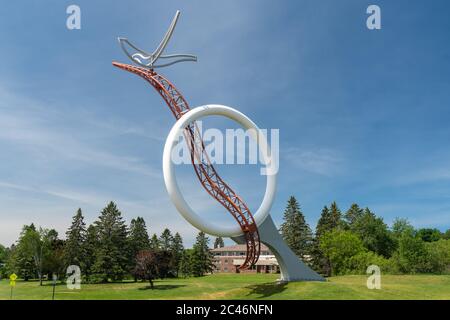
[291, 267]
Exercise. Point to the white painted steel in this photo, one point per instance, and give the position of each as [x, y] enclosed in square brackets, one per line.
[171, 181]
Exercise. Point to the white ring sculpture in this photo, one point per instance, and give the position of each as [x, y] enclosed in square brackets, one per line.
[171, 181]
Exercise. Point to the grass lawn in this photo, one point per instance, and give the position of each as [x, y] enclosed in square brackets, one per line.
[239, 286]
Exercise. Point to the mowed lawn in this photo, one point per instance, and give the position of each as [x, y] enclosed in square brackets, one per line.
[239, 286]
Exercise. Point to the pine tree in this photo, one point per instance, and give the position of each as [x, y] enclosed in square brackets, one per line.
[353, 214]
[329, 220]
[154, 243]
[176, 251]
[295, 231]
[111, 260]
[138, 235]
[202, 258]
[185, 267]
[74, 253]
[336, 216]
[166, 239]
[137, 240]
[218, 243]
[323, 224]
[89, 247]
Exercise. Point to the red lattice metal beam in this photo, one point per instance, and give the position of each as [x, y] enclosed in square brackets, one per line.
[205, 171]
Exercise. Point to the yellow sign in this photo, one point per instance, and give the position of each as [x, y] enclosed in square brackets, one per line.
[12, 279]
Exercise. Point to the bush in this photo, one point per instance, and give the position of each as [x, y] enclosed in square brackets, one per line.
[412, 255]
[438, 256]
[358, 263]
[97, 278]
[3, 272]
[339, 247]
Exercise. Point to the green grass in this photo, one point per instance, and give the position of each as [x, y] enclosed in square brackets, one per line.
[239, 286]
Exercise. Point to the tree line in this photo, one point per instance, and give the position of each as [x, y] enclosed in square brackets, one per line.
[349, 242]
[107, 250]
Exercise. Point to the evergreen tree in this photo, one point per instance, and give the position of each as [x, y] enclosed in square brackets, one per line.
[329, 220]
[176, 251]
[336, 216]
[89, 247]
[111, 260]
[185, 267]
[218, 243]
[76, 236]
[154, 243]
[352, 214]
[166, 240]
[138, 236]
[295, 231]
[137, 239]
[202, 258]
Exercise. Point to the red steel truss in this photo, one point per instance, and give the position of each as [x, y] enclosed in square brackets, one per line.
[205, 171]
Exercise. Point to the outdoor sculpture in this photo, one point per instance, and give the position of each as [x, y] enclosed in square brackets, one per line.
[251, 229]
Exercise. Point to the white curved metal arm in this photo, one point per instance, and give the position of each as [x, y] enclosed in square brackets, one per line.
[159, 50]
[148, 60]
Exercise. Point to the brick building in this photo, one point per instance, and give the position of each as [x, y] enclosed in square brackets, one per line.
[229, 258]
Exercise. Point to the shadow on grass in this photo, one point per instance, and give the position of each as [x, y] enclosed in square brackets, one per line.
[50, 284]
[163, 287]
[265, 290]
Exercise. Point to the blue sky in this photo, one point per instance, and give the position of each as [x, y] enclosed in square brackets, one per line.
[363, 115]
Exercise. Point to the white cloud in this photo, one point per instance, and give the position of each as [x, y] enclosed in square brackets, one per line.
[31, 125]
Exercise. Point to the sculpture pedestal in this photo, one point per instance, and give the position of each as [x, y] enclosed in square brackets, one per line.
[291, 267]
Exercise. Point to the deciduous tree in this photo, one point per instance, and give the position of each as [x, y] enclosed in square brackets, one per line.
[429, 234]
[374, 233]
[339, 247]
[151, 265]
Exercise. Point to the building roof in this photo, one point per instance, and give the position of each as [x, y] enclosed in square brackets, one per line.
[238, 247]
